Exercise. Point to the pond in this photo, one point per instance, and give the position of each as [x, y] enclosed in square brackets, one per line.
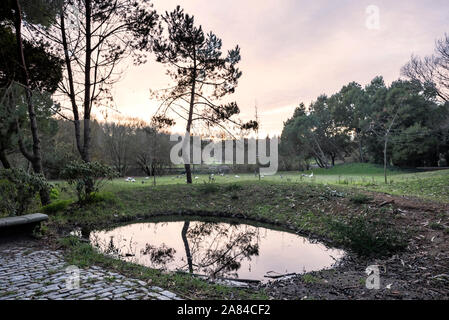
[218, 249]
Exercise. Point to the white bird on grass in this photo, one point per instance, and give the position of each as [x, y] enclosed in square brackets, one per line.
[308, 175]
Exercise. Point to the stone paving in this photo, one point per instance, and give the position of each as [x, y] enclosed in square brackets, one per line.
[27, 274]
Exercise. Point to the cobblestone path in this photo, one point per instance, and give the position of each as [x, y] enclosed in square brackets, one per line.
[27, 274]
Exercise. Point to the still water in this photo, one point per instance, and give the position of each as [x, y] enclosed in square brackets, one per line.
[216, 249]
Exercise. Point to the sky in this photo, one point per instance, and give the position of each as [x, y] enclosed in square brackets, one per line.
[295, 50]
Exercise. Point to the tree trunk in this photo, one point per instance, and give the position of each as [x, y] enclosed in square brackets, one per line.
[87, 86]
[35, 158]
[189, 121]
[76, 116]
[321, 154]
[387, 135]
[360, 140]
[87, 83]
[385, 158]
[4, 160]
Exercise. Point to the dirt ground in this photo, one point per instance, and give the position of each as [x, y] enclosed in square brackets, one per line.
[421, 272]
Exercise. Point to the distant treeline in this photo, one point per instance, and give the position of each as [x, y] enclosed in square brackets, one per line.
[404, 124]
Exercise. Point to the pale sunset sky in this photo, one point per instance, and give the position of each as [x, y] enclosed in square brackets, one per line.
[294, 50]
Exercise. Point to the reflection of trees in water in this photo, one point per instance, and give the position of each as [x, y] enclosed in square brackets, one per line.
[218, 249]
[214, 249]
[159, 256]
[117, 246]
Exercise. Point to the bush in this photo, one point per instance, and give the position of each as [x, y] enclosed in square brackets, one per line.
[360, 199]
[102, 197]
[233, 187]
[8, 193]
[87, 178]
[56, 206]
[208, 188]
[368, 236]
[54, 194]
[18, 190]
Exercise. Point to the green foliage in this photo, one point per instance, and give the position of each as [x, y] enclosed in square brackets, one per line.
[46, 71]
[368, 236]
[355, 169]
[54, 194]
[360, 198]
[197, 66]
[357, 121]
[87, 178]
[209, 187]
[97, 197]
[7, 195]
[233, 187]
[308, 278]
[19, 189]
[56, 206]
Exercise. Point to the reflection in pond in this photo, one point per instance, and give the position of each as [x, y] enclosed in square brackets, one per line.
[219, 250]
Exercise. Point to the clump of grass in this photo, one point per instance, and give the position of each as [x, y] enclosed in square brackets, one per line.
[54, 194]
[56, 206]
[368, 236]
[209, 188]
[436, 226]
[97, 197]
[233, 187]
[360, 198]
[308, 278]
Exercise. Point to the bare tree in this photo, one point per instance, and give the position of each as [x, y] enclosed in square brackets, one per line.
[154, 152]
[118, 139]
[94, 37]
[432, 71]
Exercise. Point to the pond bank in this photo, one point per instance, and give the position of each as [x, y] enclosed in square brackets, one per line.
[305, 209]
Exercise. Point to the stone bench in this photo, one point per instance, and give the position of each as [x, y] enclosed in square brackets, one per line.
[21, 223]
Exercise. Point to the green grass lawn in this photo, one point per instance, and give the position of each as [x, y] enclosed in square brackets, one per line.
[427, 185]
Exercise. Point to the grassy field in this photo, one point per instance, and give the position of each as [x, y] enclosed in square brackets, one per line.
[426, 185]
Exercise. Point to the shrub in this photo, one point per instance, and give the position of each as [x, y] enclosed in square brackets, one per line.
[87, 178]
[368, 236]
[8, 193]
[54, 194]
[56, 206]
[19, 189]
[360, 199]
[208, 188]
[234, 187]
[102, 197]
